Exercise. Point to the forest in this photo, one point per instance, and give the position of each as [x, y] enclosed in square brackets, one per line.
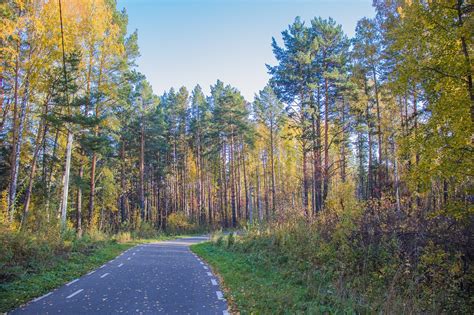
[363, 143]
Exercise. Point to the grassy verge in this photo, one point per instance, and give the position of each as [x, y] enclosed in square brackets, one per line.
[60, 269]
[311, 268]
[257, 286]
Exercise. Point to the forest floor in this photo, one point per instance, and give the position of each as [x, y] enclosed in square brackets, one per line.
[36, 277]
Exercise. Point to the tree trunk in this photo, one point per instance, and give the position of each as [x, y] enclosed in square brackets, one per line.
[247, 204]
[379, 134]
[232, 183]
[265, 188]
[370, 191]
[397, 178]
[142, 166]
[94, 154]
[343, 147]
[79, 203]
[92, 190]
[66, 179]
[305, 181]
[467, 59]
[317, 163]
[16, 152]
[40, 136]
[122, 183]
[259, 203]
[15, 133]
[326, 141]
[272, 166]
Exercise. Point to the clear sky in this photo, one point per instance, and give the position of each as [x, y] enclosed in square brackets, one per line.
[186, 42]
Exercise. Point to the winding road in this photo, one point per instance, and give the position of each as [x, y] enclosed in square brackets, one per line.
[155, 278]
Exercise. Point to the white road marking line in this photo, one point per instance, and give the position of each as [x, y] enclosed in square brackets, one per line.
[42, 297]
[120, 265]
[75, 293]
[91, 272]
[205, 267]
[201, 263]
[75, 280]
[102, 266]
[225, 312]
[104, 275]
[214, 282]
[220, 296]
[209, 274]
[133, 253]
[129, 258]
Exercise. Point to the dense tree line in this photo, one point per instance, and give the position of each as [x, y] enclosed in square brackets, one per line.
[384, 118]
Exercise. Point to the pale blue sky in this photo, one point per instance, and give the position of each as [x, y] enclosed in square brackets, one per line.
[185, 42]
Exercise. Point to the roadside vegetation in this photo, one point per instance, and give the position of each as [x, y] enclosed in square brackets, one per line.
[34, 264]
[341, 262]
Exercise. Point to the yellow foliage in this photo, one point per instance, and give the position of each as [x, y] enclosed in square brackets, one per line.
[4, 208]
[178, 222]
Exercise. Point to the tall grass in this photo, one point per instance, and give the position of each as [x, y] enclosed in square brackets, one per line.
[366, 259]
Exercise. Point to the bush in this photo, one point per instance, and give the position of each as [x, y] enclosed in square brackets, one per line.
[23, 253]
[365, 260]
[123, 237]
[145, 230]
[230, 240]
[177, 223]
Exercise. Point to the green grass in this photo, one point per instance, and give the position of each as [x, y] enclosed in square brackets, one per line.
[62, 269]
[258, 286]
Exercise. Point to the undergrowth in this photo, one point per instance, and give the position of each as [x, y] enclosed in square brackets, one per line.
[33, 263]
[352, 261]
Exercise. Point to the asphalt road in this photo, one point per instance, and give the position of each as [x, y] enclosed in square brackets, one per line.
[156, 278]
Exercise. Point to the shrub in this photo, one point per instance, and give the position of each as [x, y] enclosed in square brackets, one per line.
[177, 222]
[230, 240]
[23, 253]
[122, 237]
[145, 230]
[372, 259]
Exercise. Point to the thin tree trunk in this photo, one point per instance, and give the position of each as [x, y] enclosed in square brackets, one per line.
[142, 167]
[379, 133]
[305, 181]
[326, 140]
[13, 161]
[79, 203]
[370, 185]
[92, 190]
[66, 179]
[265, 188]
[467, 59]
[272, 166]
[259, 203]
[122, 183]
[397, 180]
[317, 163]
[17, 151]
[232, 183]
[247, 204]
[343, 147]
[40, 136]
